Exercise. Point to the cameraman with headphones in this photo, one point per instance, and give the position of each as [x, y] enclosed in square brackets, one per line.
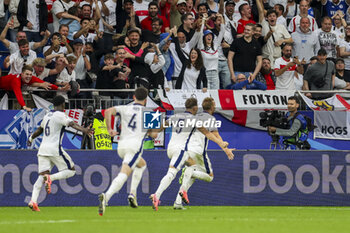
[294, 138]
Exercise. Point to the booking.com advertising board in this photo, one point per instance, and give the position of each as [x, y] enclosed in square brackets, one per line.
[16, 126]
[292, 178]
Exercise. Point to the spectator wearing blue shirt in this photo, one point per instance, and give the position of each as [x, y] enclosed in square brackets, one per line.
[73, 24]
[246, 84]
[332, 6]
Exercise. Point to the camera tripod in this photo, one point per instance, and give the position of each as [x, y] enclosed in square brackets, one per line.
[275, 144]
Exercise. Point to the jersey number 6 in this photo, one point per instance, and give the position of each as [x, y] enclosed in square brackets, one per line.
[47, 128]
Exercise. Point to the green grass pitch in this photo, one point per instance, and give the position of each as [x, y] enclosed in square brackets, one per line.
[194, 219]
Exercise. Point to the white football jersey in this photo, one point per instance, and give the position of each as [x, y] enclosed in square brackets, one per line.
[182, 130]
[53, 125]
[132, 132]
[199, 142]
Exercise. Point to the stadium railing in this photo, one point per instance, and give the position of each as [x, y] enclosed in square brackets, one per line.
[99, 102]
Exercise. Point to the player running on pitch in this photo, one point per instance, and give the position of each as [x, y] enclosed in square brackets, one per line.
[51, 152]
[197, 150]
[178, 146]
[130, 147]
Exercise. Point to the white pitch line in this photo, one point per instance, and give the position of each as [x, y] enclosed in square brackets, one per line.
[37, 222]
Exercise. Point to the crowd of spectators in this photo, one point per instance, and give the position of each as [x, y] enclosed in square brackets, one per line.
[176, 44]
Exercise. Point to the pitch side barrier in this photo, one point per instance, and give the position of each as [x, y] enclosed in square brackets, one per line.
[102, 102]
[258, 178]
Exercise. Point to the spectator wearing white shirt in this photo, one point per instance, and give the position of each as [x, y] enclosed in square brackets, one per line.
[13, 46]
[32, 16]
[155, 59]
[82, 66]
[279, 8]
[339, 24]
[22, 57]
[141, 9]
[285, 68]
[274, 34]
[291, 10]
[186, 48]
[237, 14]
[295, 22]
[273, 3]
[41, 71]
[109, 22]
[231, 23]
[328, 40]
[209, 46]
[344, 50]
[55, 47]
[13, 8]
[84, 33]
[67, 75]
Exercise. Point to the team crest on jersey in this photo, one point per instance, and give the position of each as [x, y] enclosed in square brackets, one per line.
[151, 119]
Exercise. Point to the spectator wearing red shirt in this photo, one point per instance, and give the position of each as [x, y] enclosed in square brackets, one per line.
[246, 15]
[14, 82]
[267, 75]
[165, 6]
[153, 13]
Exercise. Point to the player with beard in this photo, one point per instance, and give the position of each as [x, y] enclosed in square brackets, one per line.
[267, 75]
[275, 34]
[285, 67]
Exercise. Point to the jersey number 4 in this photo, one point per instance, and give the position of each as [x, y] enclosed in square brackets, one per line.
[47, 128]
[132, 122]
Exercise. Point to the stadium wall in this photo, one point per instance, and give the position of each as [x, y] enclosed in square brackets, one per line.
[258, 178]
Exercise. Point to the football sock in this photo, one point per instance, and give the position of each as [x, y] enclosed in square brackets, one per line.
[62, 175]
[178, 200]
[37, 187]
[116, 185]
[166, 181]
[202, 176]
[187, 177]
[136, 178]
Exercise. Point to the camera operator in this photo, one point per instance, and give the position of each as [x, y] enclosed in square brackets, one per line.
[88, 120]
[294, 137]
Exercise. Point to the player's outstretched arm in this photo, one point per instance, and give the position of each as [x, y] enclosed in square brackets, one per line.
[108, 117]
[37, 132]
[212, 137]
[227, 151]
[87, 131]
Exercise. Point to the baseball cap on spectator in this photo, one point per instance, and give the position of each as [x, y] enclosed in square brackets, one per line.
[181, 2]
[230, 2]
[164, 35]
[206, 32]
[134, 30]
[131, 1]
[77, 41]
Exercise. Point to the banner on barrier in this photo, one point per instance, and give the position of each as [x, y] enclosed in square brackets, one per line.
[332, 125]
[231, 100]
[311, 178]
[334, 103]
